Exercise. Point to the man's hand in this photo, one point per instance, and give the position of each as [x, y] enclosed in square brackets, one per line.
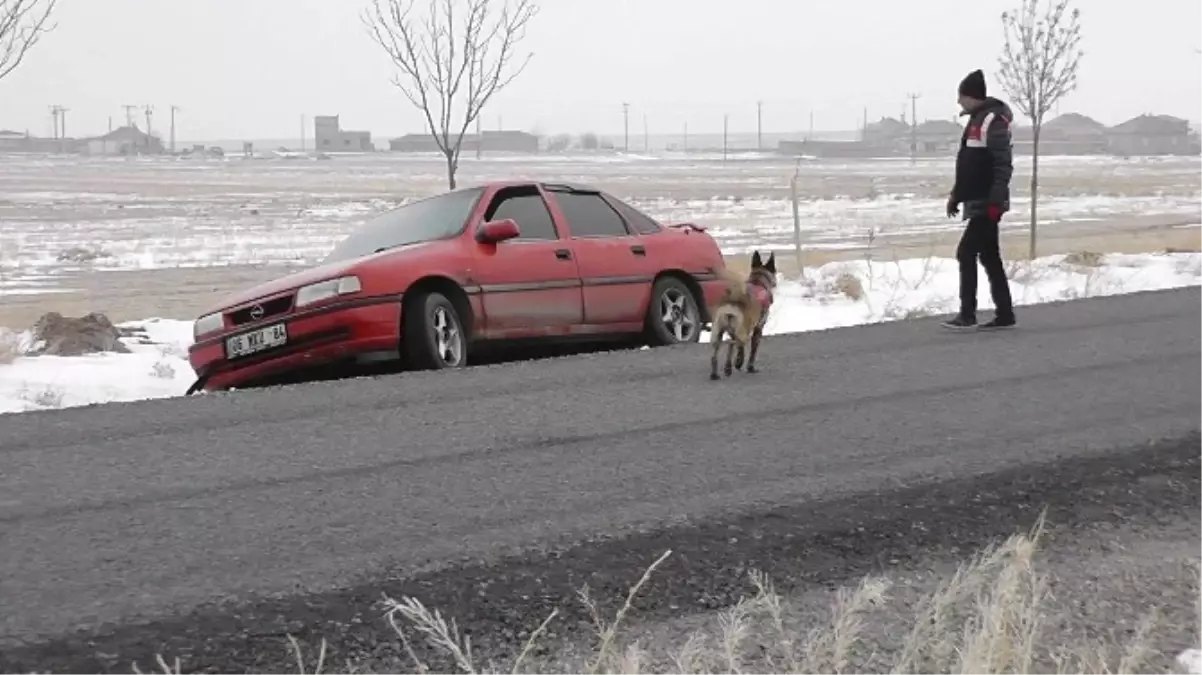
[994, 212]
[953, 207]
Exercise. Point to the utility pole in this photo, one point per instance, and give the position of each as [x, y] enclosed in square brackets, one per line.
[148, 110]
[811, 124]
[725, 128]
[62, 120]
[759, 125]
[479, 137]
[626, 127]
[913, 126]
[55, 111]
[175, 108]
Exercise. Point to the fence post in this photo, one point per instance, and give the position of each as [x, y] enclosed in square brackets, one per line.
[793, 197]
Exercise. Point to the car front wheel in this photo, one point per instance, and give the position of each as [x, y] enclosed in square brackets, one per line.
[434, 335]
[672, 316]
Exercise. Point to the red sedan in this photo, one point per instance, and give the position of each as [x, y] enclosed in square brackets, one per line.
[503, 264]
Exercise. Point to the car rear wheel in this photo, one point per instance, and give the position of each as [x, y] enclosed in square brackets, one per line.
[673, 316]
[433, 334]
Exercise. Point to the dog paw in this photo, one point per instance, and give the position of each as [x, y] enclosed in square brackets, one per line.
[714, 376]
[752, 369]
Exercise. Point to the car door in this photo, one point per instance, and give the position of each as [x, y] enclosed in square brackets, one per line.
[614, 267]
[529, 285]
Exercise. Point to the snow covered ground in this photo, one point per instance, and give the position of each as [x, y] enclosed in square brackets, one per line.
[62, 214]
[837, 294]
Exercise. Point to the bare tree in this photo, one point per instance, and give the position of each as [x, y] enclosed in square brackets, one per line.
[22, 24]
[450, 63]
[1039, 67]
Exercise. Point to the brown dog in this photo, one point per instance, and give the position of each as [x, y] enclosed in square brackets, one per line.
[741, 313]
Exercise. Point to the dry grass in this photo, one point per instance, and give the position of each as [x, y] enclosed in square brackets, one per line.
[1085, 259]
[849, 285]
[1153, 239]
[8, 351]
[987, 617]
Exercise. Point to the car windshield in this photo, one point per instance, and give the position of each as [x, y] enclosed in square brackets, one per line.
[424, 220]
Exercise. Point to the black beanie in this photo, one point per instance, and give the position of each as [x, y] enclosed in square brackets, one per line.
[973, 85]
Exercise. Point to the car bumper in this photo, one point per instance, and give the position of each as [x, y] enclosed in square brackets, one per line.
[338, 332]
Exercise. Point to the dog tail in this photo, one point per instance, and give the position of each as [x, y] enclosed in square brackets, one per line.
[736, 286]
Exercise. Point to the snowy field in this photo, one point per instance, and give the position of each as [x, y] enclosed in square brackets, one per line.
[834, 295]
[59, 215]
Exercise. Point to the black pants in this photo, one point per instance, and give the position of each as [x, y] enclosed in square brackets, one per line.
[981, 240]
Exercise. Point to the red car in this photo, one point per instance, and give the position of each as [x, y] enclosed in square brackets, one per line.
[498, 265]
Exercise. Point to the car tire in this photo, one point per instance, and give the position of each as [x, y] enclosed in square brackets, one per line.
[433, 333]
[673, 315]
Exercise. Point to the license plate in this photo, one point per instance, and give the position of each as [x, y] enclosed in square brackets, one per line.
[256, 341]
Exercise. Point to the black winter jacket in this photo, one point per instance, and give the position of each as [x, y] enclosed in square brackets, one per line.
[985, 161]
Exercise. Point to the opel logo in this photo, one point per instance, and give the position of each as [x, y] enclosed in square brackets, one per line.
[256, 312]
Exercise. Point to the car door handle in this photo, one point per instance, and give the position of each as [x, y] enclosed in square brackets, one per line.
[638, 249]
[563, 254]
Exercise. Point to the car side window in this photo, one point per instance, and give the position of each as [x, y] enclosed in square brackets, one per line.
[638, 221]
[590, 216]
[529, 211]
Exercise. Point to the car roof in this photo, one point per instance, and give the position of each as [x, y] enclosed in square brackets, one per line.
[556, 186]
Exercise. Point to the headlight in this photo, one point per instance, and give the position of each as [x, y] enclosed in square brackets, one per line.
[324, 290]
[209, 323]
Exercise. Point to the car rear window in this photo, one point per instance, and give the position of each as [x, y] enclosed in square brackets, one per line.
[427, 219]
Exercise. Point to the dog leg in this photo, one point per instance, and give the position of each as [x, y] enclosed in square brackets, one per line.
[755, 348]
[739, 357]
[715, 345]
[730, 352]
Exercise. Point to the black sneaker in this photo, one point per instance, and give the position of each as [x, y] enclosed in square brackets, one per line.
[960, 323]
[999, 323]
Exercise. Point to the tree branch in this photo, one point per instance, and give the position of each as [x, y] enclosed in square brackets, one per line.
[22, 24]
[1041, 56]
[451, 63]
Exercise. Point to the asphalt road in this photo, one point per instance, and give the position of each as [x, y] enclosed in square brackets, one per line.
[221, 522]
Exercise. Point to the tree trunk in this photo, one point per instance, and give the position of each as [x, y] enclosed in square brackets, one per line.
[1034, 188]
[451, 169]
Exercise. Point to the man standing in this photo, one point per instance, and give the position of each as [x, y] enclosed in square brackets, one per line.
[983, 169]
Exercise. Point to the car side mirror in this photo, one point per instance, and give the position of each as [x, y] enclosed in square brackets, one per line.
[496, 231]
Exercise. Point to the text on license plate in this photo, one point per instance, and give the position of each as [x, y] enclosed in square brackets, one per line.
[256, 341]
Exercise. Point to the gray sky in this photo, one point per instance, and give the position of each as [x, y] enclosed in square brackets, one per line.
[250, 68]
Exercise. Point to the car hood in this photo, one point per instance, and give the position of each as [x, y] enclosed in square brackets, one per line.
[311, 275]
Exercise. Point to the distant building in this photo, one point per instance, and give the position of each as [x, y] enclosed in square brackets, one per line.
[939, 137]
[13, 141]
[127, 140]
[20, 141]
[1153, 135]
[493, 141]
[330, 137]
[1068, 134]
[884, 132]
[888, 137]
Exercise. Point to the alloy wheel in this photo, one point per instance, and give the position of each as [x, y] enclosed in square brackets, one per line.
[679, 314]
[448, 337]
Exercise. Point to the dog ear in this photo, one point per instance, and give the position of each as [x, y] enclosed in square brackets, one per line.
[771, 265]
[755, 260]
